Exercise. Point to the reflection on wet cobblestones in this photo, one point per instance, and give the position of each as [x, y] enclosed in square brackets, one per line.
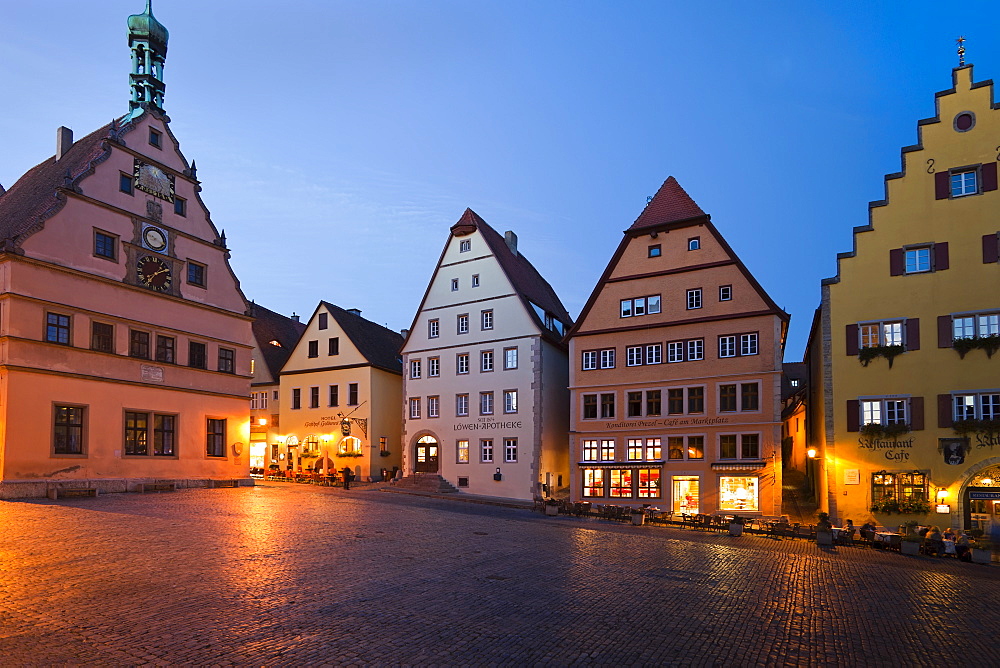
[281, 575]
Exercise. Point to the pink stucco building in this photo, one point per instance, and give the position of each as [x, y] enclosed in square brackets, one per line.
[125, 342]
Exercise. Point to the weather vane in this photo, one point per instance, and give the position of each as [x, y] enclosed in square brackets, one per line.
[961, 50]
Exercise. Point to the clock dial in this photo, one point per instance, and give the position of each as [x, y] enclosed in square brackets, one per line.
[154, 238]
[153, 272]
[153, 180]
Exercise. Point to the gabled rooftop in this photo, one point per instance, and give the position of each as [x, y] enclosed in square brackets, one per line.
[379, 345]
[670, 204]
[269, 326]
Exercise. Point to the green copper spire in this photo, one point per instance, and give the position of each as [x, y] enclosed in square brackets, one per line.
[148, 40]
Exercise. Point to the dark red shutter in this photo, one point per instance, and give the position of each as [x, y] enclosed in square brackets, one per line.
[853, 415]
[944, 331]
[852, 339]
[989, 174]
[916, 413]
[942, 185]
[896, 262]
[941, 256]
[944, 411]
[912, 333]
[991, 248]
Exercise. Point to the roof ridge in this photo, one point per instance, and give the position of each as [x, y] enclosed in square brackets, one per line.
[670, 204]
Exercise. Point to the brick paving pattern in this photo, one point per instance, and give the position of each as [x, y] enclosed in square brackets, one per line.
[287, 575]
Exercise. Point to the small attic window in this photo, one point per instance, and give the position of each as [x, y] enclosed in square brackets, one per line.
[655, 250]
[694, 243]
[465, 246]
[275, 342]
[154, 138]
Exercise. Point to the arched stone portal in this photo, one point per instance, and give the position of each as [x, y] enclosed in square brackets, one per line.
[425, 456]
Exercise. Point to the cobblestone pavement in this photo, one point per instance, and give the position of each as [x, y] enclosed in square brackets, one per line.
[295, 575]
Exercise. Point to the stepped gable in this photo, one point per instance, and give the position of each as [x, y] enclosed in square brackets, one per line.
[270, 326]
[379, 345]
[670, 204]
[36, 197]
[521, 273]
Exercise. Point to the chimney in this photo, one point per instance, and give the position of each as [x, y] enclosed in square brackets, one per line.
[295, 316]
[64, 139]
[355, 311]
[511, 240]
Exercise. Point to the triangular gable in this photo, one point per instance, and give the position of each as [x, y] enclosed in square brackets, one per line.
[670, 204]
[361, 342]
[671, 189]
[522, 275]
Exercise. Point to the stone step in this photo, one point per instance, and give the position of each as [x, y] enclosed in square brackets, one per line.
[426, 482]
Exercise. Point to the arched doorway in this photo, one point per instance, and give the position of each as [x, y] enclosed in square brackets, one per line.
[425, 458]
[981, 498]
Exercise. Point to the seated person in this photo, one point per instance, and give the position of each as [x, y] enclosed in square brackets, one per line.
[868, 530]
[933, 542]
[949, 534]
[962, 548]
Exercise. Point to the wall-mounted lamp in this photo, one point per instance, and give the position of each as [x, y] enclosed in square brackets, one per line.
[262, 422]
[811, 453]
[942, 494]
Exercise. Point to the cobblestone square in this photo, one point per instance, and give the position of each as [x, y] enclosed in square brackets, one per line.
[297, 575]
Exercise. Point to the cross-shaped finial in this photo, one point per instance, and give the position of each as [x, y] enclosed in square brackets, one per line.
[961, 50]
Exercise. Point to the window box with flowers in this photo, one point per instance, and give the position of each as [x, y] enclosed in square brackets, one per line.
[869, 353]
[971, 426]
[884, 431]
[990, 344]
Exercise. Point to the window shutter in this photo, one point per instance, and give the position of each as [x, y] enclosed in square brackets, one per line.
[942, 185]
[916, 413]
[941, 256]
[896, 262]
[853, 415]
[991, 248]
[852, 339]
[989, 174]
[944, 331]
[912, 333]
[944, 411]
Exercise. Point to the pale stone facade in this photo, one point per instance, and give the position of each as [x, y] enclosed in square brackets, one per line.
[485, 374]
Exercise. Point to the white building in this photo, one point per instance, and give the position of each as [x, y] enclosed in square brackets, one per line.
[484, 373]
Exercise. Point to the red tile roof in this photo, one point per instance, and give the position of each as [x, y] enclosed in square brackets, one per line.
[670, 204]
[35, 196]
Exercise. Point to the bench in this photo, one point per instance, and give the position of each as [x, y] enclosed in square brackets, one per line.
[66, 492]
[215, 484]
[157, 487]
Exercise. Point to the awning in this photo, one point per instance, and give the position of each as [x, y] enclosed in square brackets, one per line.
[620, 465]
[738, 466]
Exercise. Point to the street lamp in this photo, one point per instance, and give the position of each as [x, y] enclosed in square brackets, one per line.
[811, 453]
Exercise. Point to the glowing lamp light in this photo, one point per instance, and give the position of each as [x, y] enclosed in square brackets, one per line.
[811, 452]
[987, 481]
[942, 494]
[262, 422]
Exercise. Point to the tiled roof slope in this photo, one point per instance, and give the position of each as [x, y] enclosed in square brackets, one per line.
[670, 204]
[270, 326]
[521, 273]
[35, 196]
[378, 344]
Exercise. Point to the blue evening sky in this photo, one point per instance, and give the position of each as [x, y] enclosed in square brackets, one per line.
[338, 141]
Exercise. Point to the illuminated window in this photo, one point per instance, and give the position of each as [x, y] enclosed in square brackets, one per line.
[590, 450]
[621, 483]
[634, 450]
[884, 411]
[873, 334]
[593, 482]
[463, 452]
[653, 449]
[608, 450]
[738, 493]
[649, 483]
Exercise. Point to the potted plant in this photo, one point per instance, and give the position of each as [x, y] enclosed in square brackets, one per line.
[982, 552]
[736, 526]
[551, 507]
[824, 530]
[638, 516]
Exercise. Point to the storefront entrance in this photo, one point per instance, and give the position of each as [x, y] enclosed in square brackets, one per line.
[426, 459]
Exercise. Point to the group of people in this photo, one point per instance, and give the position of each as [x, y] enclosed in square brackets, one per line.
[934, 540]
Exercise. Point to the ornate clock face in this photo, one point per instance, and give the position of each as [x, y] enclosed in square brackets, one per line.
[153, 180]
[154, 239]
[153, 272]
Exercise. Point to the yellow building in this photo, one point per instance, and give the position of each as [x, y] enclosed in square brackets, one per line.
[905, 402]
[341, 397]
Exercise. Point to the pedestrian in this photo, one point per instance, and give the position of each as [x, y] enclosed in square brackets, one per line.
[962, 548]
[348, 477]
